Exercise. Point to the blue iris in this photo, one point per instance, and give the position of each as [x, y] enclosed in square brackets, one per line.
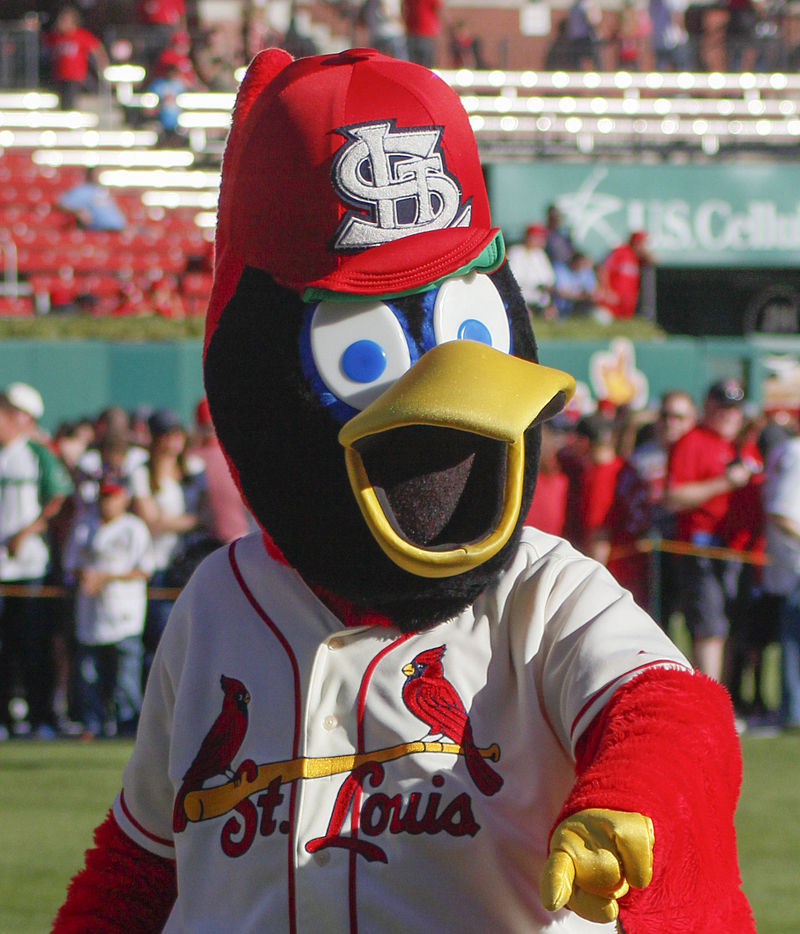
[472, 330]
[364, 361]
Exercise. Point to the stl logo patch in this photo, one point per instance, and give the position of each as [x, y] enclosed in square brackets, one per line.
[398, 183]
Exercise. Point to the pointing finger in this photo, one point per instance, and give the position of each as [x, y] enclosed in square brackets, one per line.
[558, 876]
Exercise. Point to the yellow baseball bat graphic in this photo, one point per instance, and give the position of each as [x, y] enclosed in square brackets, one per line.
[205, 803]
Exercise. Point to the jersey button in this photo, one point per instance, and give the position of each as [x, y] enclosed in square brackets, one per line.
[330, 722]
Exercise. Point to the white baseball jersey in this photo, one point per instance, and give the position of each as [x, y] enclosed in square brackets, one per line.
[346, 806]
[117, 547]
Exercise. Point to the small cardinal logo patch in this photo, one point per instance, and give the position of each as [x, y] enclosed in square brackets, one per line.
[434, 700]
[398, 183]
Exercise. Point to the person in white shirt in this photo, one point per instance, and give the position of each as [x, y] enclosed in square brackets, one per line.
[111, 557]
[33, 486]
[533, 271]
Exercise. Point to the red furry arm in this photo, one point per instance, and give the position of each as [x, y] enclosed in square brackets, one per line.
[122, 889]
[665, 746]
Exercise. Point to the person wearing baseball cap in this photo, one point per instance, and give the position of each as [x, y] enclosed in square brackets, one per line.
[708, 473]
[619, 276]
[533, 270]
[110, 557]
[24, 399]
[33, 486]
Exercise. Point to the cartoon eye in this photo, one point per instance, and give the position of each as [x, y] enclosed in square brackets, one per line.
[470, 308]
[359, 349]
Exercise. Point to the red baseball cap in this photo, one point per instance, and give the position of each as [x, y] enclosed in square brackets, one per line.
[110, 487]
[538, 229]
[355, 173]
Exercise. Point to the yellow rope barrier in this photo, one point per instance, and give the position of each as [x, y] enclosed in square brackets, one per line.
[642, 546]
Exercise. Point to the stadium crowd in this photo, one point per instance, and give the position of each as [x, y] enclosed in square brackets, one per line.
[101, 524]
[181, 51]
[696, 510]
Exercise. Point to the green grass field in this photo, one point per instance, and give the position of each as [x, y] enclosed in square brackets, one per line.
[54, 794]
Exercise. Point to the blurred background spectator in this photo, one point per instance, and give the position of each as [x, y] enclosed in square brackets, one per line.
[549, 504]
[533, 270]
[92, 204]
[423, 25]
[575, 289]
[584, 19]
[707, 466]
[383, 22]
[669, 39]
[782, 575]
[228, 519]
[110, 558]
[33, 486]
[619, 277]
[558, 244]
[166, 88]
[169, 494]
[70, 49]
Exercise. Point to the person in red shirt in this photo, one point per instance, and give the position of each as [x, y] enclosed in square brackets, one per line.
[549, 504]
[619, 276]
[607, 535]
[707, 466]
[70, 48]
[422, 21]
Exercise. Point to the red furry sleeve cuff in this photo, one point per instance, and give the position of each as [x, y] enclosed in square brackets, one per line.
[666, 746]
[122, 889]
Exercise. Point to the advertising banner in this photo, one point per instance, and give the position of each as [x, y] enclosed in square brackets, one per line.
[744, 214]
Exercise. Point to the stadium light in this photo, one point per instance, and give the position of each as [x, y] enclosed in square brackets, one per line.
[161, 178]
[69, 119]
[181, 199]
[72, 139]
[214, 100]
[165, 158]
[28, 100]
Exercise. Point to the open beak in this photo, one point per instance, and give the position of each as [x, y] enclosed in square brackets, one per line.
[466, 387]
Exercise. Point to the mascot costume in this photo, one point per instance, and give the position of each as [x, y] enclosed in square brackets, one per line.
[398, 709]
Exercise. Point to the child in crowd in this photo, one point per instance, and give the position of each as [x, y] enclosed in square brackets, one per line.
[110, 557]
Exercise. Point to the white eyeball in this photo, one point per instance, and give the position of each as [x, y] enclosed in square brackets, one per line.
[359, 349]
[470, 308]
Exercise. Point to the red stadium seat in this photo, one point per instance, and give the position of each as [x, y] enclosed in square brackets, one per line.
[16, 307]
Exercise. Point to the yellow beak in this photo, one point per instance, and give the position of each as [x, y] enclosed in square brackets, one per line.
[408, 670]
[468, 386]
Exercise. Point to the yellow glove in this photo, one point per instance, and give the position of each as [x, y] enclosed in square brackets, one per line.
[596, 855]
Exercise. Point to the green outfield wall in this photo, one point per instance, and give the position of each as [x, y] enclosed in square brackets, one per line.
[79, 378]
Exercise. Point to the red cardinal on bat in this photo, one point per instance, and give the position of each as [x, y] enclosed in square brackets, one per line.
[431, 697]
[217, 750]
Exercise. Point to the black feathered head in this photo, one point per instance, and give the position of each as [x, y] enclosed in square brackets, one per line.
[370, 365]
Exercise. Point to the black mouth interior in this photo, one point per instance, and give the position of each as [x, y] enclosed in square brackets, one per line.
[438, 487]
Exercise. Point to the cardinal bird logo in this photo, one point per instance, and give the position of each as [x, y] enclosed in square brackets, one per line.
[431, 698]
[217, 750]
